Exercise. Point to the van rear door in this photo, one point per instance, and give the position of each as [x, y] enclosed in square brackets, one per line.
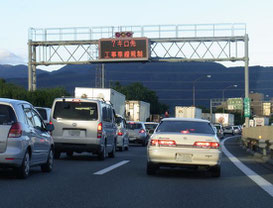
[75, 119]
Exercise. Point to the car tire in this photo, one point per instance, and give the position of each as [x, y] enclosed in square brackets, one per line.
[57, 155]
[69, 154]
[102, 153]
[113, 152]
[144, 143]
[48, 166]
[151, 168]
[215, 171]
[23, 170]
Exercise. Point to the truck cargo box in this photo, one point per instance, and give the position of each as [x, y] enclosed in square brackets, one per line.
[107, 94]
[137, 110]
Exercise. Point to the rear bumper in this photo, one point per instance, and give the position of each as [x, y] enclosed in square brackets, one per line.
[66, 147]
[12, 157]
[178, 157]
[120, 141]
[137, 139]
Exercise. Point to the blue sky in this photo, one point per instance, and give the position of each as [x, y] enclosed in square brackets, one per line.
[17, 16]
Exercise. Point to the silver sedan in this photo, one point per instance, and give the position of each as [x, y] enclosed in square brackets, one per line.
[184, 142]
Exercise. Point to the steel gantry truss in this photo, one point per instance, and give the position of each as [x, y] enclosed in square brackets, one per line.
[172, 43]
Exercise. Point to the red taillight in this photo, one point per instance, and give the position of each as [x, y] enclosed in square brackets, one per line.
[50, 122]
[209, 145]
[9, 158]
[15, 130]
[99, 130]
[163, 142]
[142, 131]
[120, 133]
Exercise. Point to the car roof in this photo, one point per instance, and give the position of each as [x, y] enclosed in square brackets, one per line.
[46, 108]
[150, 123]
[185, 119]
[12, 101]
[135, 122]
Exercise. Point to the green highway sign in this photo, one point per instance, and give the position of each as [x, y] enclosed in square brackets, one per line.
[247, 107]
[235, 104]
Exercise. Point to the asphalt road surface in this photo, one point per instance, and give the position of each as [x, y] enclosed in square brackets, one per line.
[84, 181]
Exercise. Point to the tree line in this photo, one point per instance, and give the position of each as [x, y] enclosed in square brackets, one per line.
[40, 97]
[45, 97]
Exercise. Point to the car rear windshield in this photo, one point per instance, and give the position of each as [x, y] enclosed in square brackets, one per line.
[186, 127]
[42, 113]
[134, 126]
[7, 115]
[150, 126]
[76, 111]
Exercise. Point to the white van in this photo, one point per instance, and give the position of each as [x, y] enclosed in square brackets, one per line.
[83, 125]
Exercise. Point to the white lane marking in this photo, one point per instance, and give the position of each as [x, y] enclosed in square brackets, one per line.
[260, 181]
[112, 167]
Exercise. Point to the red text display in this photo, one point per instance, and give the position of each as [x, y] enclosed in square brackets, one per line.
[125, 49]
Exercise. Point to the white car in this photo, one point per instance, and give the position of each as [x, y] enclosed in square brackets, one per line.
[184, 142]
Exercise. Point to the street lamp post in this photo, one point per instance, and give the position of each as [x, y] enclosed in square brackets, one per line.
[223, 94]
[193, 87]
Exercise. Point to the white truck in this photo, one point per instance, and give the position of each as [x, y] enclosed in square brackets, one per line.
[226, 119]
[137, 110]
[117, 99]
[187, 112]
[261, 121]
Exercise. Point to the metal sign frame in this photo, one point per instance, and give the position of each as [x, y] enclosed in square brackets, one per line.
[171, 43]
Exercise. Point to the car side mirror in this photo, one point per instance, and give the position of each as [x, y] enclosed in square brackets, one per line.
[49, 127]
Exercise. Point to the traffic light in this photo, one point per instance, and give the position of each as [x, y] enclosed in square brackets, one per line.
[123, 34]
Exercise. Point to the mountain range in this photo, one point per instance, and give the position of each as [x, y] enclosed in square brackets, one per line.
[173, 82]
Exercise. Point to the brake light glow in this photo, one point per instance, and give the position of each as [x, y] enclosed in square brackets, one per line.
[120, 133]
[76, 100]
[185, 132]
[99, 130]
[15, 130]
[142, 131]
[209, 145]
[163, 142]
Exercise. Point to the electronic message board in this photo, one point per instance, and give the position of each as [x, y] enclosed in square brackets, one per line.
[123, 49]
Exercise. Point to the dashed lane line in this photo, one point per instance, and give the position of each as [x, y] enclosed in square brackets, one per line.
[112, 167]
[260, 181]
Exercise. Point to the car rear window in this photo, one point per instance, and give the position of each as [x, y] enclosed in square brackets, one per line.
[185, 127]
[150, 126]
[76, 111]
[134, 126]
[7, 115]
[42, 113]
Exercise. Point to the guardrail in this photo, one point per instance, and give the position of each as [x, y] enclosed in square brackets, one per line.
[259, 140]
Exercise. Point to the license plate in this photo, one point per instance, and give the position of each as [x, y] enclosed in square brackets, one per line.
[184, 157]
[74, 132]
